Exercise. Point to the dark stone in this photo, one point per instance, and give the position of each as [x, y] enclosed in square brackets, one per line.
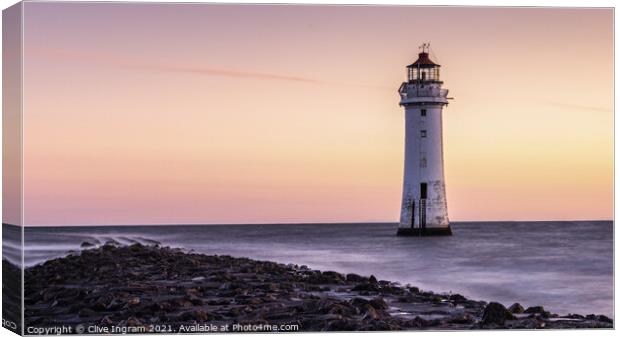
[463, 318]
[85, 312]
[605, 319]
[356, 278]
[457, 298]
[359, 302]
[516, 309]
[372, 279]
[534, 310]
[418, 322]
[379, 303]
[333, 276]
[87, 244]
[496, 313]
[414, 290]
[366, 287]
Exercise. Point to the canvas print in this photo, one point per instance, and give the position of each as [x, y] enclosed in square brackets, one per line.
[211, 168]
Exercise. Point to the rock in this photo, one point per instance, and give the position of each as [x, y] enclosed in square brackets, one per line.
[605, 319]
[535, 310]
[359, 302]
[132, 321]
[112, 242]
[333, 276]
[573, 316]
[516, 309]
[457, 298]
[418, 322]
[198, 316]
[155, 285]
[87, 244]
[379, 303]
[106, 321]
[366, 287]
[370, 312]
[525, 323]
[355, 278]
[495, 313]
[462, 318]
[436, 299]
[85, 312]
[134, 301]
[372, 279]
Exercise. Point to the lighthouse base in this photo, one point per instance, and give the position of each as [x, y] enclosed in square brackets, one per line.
[440, 231]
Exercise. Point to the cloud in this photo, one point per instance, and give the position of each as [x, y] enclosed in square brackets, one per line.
[581, 107]
[130, 62]
[233, 73]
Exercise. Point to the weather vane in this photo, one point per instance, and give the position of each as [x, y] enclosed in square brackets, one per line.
[425, 47]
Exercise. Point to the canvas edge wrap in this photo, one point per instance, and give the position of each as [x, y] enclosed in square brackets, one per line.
[12, 182]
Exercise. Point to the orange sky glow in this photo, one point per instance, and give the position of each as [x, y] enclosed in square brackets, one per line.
[193, 113]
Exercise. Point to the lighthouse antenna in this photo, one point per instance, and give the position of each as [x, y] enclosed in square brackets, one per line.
[425, 47]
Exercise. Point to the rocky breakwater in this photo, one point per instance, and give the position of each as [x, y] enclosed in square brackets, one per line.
[145, 288]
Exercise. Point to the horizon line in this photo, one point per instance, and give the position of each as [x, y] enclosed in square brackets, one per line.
[292, 223]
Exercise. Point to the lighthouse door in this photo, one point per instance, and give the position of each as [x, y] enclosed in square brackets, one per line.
[412, 213]
[423, 196]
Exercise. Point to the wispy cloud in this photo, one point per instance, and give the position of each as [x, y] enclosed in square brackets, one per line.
[581, 107]
[125, 61]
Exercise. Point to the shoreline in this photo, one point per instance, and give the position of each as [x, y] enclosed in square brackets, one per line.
[142, 286]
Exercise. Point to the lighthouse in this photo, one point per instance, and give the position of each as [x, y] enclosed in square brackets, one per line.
[424, 209]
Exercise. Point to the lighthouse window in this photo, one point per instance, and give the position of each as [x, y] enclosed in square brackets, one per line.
[423, 112]
[423, 133]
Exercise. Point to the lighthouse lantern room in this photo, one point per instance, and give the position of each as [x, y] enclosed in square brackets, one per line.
[424, 209]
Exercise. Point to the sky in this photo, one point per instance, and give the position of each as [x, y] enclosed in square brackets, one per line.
[194, 113]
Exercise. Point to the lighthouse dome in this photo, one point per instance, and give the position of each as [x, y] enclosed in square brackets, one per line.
[423, 61]
[423, 70]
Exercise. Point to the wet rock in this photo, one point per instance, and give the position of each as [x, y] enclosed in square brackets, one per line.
[87, 244]
[334, 277]
[135, 301]
[132, 321]
[85, 312]
[418, 322]
[457, 298]
[525, 323]
[106, 321]
[495, 313]
[356, 278]
[537, 310]
[516, 308]
[413, 290]
[534, 310]
[601, 318]
[462, 318]
[379, 303]
[371, 287]
[371, 312]
[154, 285]
[573, 316]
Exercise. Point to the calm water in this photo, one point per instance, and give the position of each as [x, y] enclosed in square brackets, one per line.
[565, 266]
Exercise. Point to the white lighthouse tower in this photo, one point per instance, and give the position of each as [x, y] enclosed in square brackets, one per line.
[424, 209]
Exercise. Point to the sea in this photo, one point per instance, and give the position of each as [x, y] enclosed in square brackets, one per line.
[565, 266]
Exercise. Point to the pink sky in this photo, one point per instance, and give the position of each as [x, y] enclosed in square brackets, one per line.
[193, 113]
